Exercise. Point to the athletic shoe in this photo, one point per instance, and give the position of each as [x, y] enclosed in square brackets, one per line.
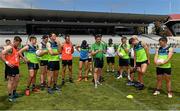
[129, 78]
[130, 83]
[140, 87]
[90, 74]
[136, 84]
[170, 95]
[50, 91]
[156, 93]
[11, 99]
[70, 80]
[107, 70]
[15, 95]
[119, 77]
[27, 92]
[95, 86]
[113, 71]
[99, 83]
[42, 86]
[62, 83]
[55, 88]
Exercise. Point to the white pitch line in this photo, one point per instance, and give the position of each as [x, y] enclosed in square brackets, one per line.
[135, 101]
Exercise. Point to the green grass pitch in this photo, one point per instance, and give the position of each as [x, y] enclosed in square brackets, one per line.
[83, 96]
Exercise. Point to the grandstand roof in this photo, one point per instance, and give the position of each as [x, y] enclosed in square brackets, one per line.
[81, 16]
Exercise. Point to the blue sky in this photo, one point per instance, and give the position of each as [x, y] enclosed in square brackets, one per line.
[120, 6]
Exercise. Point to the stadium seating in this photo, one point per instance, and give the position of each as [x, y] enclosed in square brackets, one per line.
[150, 39]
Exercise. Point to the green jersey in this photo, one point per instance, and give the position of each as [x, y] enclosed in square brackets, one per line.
[121, 49]
[163, 55]
[31, 54]
[42, 46]
[141, 55]
[54, 47]
[98, 46]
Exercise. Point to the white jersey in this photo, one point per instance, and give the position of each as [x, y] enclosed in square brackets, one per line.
[110, 51]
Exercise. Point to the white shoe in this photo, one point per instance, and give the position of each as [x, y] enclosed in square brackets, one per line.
[170, 95]
[95, 86]
[108, 70]
[113, 70]
[156, 93]
[119, 77]
[99, 83]
[89, 73]
[129, 78]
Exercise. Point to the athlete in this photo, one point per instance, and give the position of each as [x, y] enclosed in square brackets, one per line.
[11, 57]
[90, 65]
[162, 60]
[43, 60]
[110, 55]
[67, 50]
[32, 62]
[123, 53]
[98, 49]
[141, 58]
[132, 67]
[8, 42]
[53, 47]
[84, 55]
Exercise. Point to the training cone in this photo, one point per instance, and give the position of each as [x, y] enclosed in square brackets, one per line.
[129, 96]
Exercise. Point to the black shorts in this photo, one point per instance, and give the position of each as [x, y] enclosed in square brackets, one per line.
[34, 66]
[43, 62]
[98, 63]
[12, 71]
[83, 60]
[6, 69]
[110, 60]
[67, 62]
[138, 64]
[163, 71]
[89, 59]
[132, 62]
[53, 65]
[123, 62]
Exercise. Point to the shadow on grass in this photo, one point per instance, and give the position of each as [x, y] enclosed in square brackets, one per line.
[4, 104]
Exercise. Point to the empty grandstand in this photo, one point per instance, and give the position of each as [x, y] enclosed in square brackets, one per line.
[79, 24]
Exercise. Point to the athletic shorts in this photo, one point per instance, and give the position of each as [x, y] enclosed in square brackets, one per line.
[67, 62]
[163, 71]
[132, 62]
[123, 62]
[89, 59]
[43, 62]
[6, 69]
[53, 65]
[138, 64]
[110, 60]
[98, 63]
[83, 60]
[34, 66]
[12, 71]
